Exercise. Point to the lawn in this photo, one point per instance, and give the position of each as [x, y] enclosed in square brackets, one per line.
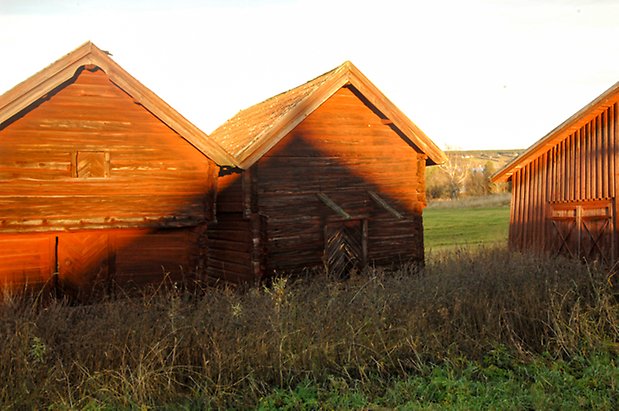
[463, 224]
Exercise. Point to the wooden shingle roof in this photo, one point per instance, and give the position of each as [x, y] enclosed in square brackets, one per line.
[39, 85]
[560, 133]
[254, 131]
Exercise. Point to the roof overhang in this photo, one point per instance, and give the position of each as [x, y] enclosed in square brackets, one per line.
[345, 75]
[565, 129]
[39, 85]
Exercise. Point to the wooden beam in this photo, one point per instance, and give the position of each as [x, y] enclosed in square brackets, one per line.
[380, 201]
[333, 206]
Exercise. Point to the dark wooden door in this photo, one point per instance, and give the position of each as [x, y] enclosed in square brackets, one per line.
[345, 247]
[582, 230]
[83, 261]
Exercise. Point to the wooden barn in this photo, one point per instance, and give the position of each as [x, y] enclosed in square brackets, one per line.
[330, 174]
[564, 187]
[100, 180]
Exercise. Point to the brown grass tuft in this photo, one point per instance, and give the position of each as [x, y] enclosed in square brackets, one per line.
[223, 348]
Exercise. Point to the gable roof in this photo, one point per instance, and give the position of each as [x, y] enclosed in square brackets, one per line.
[254, 131]
[560, 133]
[27, 92]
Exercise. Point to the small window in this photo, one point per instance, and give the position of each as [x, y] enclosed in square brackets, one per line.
[91, 164]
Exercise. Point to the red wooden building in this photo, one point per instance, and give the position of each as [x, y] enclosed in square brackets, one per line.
[100, 180]
[564, 187]
[331, 173]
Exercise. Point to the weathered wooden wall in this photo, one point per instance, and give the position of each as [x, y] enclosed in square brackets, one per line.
[230, 248]
[560, 200]
[344, 150]
[88, 159]
[26, 260]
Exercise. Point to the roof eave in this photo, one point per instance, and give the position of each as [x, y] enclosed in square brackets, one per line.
[287, 123]
[44, 81]
[563, 130]
[37, 86]
[400, 120]
[346, 74]
[162, 110]
[501, 176]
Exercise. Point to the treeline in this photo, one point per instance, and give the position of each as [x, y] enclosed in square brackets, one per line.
[466, 174]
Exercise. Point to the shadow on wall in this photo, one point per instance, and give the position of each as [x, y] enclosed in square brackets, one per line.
[335, 168]
[94, 187]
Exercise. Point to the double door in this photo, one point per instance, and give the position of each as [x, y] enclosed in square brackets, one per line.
[82, 261]
[583, 230]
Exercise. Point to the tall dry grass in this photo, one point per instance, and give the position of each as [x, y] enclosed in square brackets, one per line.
[225, 348]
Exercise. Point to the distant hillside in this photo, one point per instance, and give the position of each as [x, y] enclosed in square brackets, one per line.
[478, 158]
[467, 173]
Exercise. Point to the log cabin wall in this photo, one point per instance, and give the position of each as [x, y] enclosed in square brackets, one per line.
[92, 182]
[230, 244]
[345, 153]
[564, 201]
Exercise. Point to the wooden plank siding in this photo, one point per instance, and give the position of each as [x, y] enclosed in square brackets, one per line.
[230, 249]
[580, 169]
[27, 261]
[342, 151]
[125, 197]
[38, 190]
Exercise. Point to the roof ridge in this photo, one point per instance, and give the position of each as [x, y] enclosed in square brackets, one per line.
[278, 95]
[254, 129]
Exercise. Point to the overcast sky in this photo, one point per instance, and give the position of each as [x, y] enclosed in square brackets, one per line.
[474, 74]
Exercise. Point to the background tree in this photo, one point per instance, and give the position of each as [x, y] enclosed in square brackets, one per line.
[436, 183]
[478, 180]
[467, 173]
[456, 170]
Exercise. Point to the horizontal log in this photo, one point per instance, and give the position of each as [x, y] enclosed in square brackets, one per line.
[217, 244]
[89, 188]
[223, 225]
[75, 225]
[241, 237]
[233, 255]
[215, 264]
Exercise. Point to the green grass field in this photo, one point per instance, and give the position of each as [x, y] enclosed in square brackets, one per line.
[462, 224]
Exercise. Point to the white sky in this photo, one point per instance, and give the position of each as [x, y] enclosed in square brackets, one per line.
[473, 74]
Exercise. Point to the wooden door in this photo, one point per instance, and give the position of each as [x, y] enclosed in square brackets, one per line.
[583, 230]
[83, 261]
[345, 247]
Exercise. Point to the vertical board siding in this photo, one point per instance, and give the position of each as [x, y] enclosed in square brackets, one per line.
[580, 167]
[613, 130]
